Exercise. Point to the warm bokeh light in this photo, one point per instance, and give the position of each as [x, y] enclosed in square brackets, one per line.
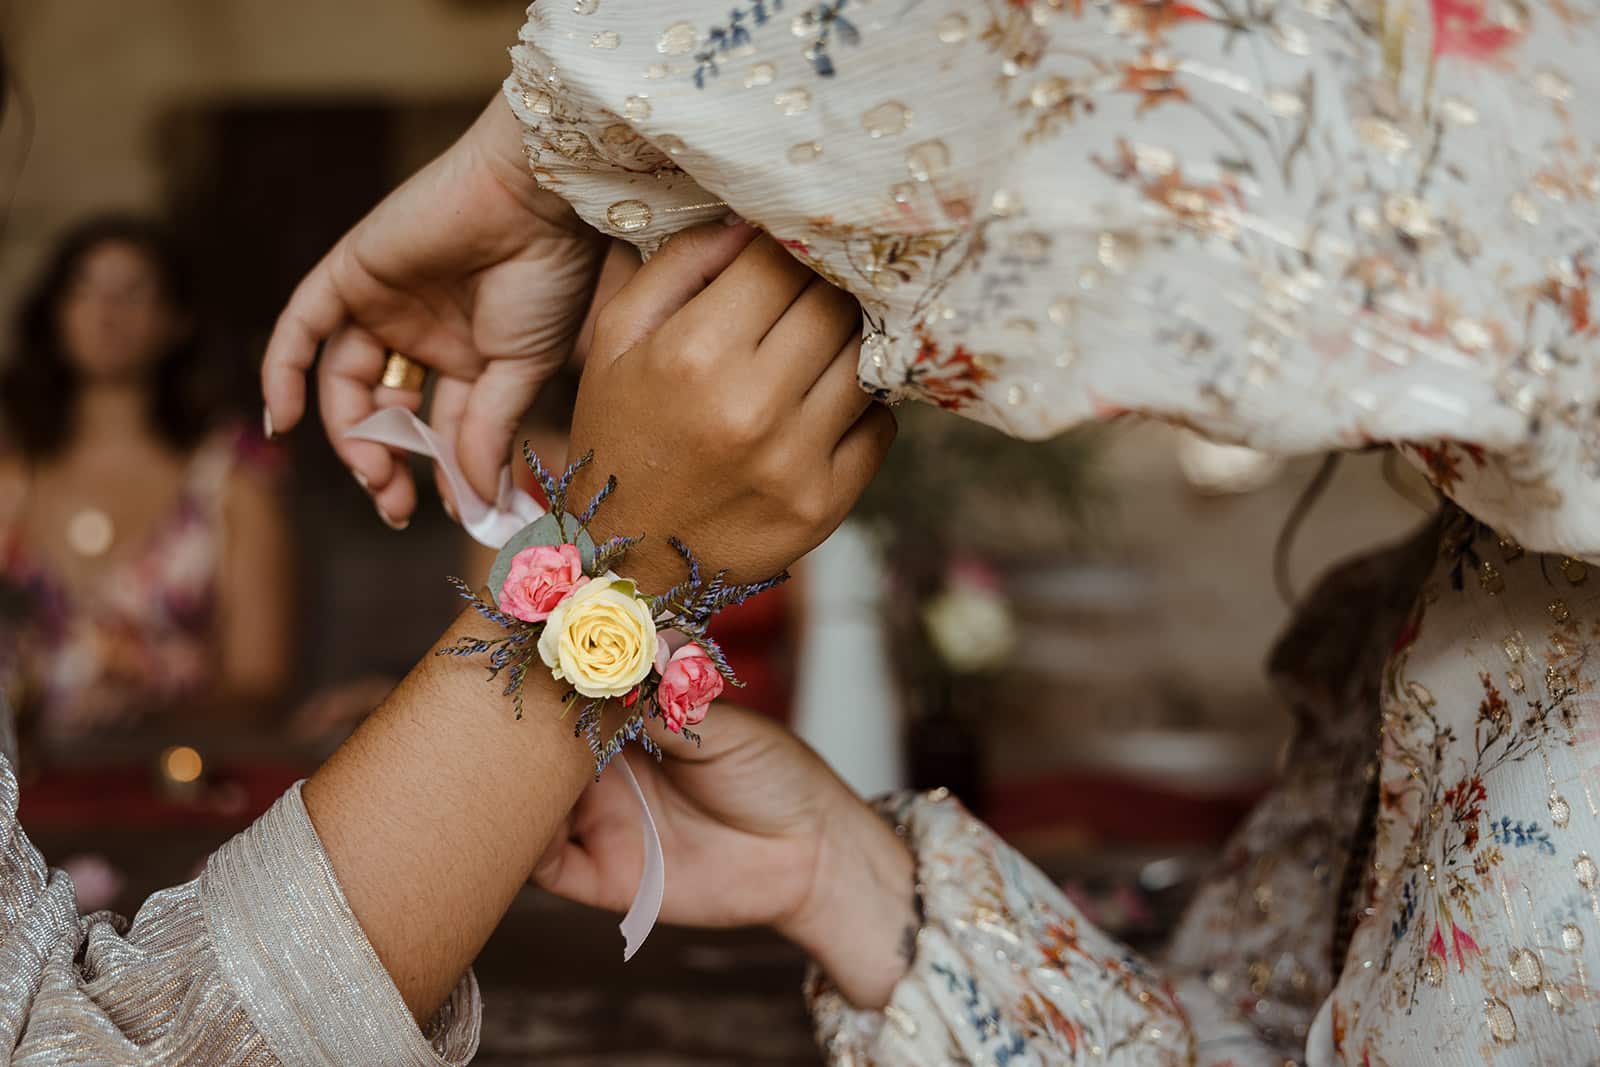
[182, 764]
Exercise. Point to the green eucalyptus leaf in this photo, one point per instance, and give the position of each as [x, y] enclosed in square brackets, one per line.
[541, 531]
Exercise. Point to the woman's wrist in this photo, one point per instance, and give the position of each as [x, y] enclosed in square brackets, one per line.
[496, 139]
[860, 919]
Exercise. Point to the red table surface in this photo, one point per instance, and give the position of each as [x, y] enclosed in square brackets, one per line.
[129, 796]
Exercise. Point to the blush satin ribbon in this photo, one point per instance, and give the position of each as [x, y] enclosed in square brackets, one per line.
[493, 525]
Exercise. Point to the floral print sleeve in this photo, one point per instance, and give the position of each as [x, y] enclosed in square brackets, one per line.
[1007, 971]
[1298, 226]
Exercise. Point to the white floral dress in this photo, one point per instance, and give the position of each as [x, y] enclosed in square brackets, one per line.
[1299, 225]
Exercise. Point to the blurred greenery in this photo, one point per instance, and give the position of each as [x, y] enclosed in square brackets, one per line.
[952, 486]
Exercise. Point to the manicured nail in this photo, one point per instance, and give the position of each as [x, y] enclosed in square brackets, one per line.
[387, 521]
[361, 479]
[266, 422]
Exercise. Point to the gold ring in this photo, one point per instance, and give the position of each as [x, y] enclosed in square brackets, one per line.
[402, 372]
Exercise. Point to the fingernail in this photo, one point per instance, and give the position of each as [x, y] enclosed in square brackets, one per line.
[266, 422]
[733, 218]
[387, 521]
[361, 479]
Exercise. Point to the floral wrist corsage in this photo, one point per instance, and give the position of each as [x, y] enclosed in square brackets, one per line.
[562, 605]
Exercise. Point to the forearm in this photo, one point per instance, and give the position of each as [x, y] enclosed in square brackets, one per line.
[436, 809]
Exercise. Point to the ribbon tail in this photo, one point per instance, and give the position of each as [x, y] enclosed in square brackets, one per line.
[646, 906]
[491, 526]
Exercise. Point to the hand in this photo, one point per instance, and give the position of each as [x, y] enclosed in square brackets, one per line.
[757, 831]
[721, 388]
[467, 268]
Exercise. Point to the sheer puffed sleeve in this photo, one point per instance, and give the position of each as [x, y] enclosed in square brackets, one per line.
[259, 961]
[1312, 229]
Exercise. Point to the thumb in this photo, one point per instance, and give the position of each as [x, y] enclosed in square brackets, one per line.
[677, 273]
[494, 409]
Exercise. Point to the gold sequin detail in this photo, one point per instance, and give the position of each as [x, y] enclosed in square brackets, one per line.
[793, 101]
[1588, 874]
[1489, 577]
[1515, 681]
[1004, 203]
[1560, 811]
[1502, 1024]
[1571, 937]
[629, 216]
[1048, 92]
[1509, 549]
[539, 102]
[1553, 85]
[636, 107]
[952, 29]
[678, 39]
[928, 160]
[1576, 570]
[1526, 970]
[1555, 998]
[760, 74]
[1558, 610]
[1458, 112]
[1513, 646]
[1432, 971]
[804, 152]
[887, 119]
[1383, 136]
[605, 40]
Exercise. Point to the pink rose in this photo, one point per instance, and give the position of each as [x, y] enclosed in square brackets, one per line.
[541, 577]
[689, 684]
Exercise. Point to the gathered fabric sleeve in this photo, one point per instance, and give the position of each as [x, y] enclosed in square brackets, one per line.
[1307, 228]
[1008, 971]
[258, 962]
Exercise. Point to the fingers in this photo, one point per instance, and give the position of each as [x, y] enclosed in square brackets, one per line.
[803, 344]
[860, 453]
[836, 400]
[494, 409]
[750, 297]
[312, 315]
[347, 378]
[445, 415]
[673, 277]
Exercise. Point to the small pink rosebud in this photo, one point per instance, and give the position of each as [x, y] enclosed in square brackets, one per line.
[688, 686]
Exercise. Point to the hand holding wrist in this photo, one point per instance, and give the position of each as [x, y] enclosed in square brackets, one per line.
[859, 920]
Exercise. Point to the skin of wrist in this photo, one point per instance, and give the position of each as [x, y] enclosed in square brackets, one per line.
[496, 139]
[860, 914]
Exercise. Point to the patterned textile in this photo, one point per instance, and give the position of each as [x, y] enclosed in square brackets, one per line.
[1301, 225]
[1476, 910]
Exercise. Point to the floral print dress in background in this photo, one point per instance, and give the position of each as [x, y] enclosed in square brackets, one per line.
[142, 639]
[1299, 225]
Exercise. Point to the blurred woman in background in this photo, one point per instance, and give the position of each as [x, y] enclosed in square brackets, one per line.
[143, 552]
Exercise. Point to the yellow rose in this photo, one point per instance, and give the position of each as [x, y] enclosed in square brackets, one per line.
[601, 639]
